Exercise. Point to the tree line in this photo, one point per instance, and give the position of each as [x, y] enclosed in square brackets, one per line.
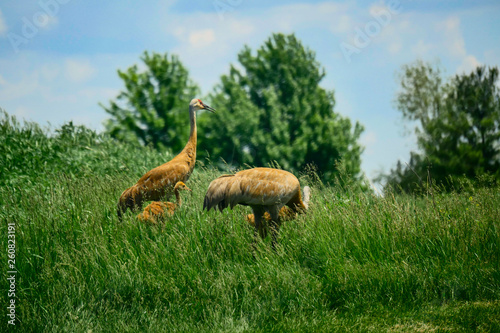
[456, 121]
[271, 108]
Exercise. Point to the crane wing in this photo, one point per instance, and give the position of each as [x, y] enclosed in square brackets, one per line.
[166, 175]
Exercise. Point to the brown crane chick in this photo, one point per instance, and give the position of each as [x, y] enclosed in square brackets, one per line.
[285, 214]
[263, 189]
[159, 182]
[159, 210]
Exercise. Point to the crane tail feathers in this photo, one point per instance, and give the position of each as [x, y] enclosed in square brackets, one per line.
[217, 193]
[307, 196]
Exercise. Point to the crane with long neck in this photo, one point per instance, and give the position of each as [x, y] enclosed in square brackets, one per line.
[159, 182]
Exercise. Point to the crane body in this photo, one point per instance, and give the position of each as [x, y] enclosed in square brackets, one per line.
[159, 182]
[265, 190]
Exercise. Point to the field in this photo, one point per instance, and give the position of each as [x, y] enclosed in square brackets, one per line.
[356, 262]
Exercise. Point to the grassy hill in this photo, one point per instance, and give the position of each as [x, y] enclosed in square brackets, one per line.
[355, 262]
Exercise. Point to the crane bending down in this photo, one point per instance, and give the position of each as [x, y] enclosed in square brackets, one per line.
[158, 210]
[159, 182]
[286, 213]
[263, 189]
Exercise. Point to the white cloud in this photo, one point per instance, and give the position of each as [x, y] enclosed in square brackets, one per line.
[453, 39]
[22, 112]
[210, 43]
[237, 27]
[368, 139]
[241, 28]
[49, 72]
[25, 86]
[179, 32]
[76, 70]
[452, 23]
[395, 47]
[421, 48]
[201, 38]
[382, 13]
[47, 21]
[335, 15]
[342, 24]
[379, 26]
[454, 43]
[468, 64]
[3, 25]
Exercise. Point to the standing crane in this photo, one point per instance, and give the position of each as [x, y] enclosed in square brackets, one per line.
[158, 210]
[159, 182]
[263, 189]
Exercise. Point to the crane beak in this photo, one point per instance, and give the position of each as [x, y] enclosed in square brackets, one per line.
[209, 108]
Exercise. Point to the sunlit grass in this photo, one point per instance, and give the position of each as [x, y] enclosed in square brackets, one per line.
[355, 260]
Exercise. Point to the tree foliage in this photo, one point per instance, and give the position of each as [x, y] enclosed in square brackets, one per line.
[153, 107]
[271, 108]
[457, 125]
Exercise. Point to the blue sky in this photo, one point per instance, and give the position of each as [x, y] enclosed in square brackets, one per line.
[58, 58]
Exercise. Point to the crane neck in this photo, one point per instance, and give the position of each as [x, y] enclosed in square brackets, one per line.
[192, 124]
[190, 148]
[178, 199]
[188, 154]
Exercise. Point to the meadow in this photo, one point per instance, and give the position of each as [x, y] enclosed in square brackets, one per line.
[356, 262]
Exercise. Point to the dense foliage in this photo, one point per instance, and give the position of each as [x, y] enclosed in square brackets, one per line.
[457, 126]
[271, 108]
[153, 107]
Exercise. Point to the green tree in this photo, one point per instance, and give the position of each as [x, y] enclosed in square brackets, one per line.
[457, 125]
[153, 107]
[272, 108]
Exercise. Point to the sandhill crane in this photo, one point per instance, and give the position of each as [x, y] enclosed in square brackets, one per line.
[159, 182]
[158, 210]
[263, 189]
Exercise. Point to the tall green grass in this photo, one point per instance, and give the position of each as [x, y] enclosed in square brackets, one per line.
[355, 262]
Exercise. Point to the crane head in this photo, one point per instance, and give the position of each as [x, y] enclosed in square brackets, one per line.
[181, 186]
[197, 104]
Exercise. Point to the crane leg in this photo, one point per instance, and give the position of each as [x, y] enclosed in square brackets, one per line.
[258, 213]
[274, 224]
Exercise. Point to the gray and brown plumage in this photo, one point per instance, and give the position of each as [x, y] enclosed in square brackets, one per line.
[263, 189]
[159, 210]
[159, 182]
